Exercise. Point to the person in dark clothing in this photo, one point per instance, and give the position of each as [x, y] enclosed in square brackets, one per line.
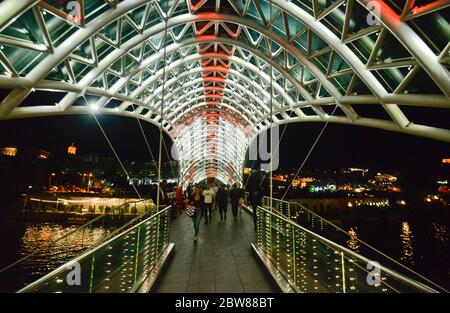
[197, 196]
[236, 194]
[154, 195]
[222, 202]
[255, 195]
[164, 199]
[189, 192]
[153, 192]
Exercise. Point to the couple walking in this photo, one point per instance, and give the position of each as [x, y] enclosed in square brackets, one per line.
[204, 201]
[200, 205]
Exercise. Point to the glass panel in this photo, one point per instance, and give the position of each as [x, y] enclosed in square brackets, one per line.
[103, 266]
[311, 263]
[25, 28]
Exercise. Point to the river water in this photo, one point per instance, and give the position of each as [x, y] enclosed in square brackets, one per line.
[422, 245]
[20, 239]
[419, 244]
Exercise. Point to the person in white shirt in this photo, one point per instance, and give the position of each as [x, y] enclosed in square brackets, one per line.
[208, 195]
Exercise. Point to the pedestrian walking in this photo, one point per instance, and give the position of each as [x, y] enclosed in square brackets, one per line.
[208, 195]
[255, 194]
[222, 202]
[196, 214]
[236, 194]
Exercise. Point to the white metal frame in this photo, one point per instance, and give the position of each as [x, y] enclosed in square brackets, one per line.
[237, 76]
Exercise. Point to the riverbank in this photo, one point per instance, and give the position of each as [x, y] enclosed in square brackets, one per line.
[72, 218]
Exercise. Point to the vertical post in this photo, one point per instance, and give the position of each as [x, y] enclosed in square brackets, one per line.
[163, 91]
[294, 257]
[25, 203]
[343, 272]
[91, 276]
[158, 225]
[82, 237]
[136, 257]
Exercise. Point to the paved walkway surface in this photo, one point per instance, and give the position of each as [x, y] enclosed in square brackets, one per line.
[221, 260]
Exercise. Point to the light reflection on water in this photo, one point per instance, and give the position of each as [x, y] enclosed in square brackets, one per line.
[407, 237]
[40, 240]
[37, 238]
[441, 232]
[420, 244]
[353, 242]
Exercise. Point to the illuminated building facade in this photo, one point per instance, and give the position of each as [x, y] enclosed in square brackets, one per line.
[8, 151]
[385, 182]
[72, 150]
[443, 179]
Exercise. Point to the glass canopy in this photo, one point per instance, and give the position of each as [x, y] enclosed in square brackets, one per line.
[215, 73]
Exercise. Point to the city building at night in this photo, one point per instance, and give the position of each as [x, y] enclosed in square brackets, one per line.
[8, 151]
[72, 149]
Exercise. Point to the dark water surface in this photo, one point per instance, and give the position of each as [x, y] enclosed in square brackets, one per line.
[422, 245]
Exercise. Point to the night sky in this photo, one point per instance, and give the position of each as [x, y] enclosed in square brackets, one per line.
[340, 145]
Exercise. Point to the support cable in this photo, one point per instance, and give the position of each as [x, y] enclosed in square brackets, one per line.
[162, 106]
[309, 152]
[150, 150]
[277, 148]
[280, 139]
[114, 151]
[146, 142]
[168, 157]
[271, 112]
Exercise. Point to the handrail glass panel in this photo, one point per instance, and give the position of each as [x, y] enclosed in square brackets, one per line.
[310, 220]
[312, 263]
[118, 265]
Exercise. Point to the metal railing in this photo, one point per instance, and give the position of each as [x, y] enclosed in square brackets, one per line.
[312, 263]
[52, 254]
[120, 264]
[312, 221]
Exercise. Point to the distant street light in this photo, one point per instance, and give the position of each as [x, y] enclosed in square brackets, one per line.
[89, 180]
[50, 178]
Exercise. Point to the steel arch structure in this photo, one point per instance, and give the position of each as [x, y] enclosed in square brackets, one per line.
[229, 69]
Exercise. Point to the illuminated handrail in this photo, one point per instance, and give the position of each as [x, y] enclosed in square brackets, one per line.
[292, 208]
[139, 255]
[298, 241]
[79, 229]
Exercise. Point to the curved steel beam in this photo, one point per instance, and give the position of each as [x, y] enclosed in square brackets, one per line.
[347, 54]
[48, 63]
[413, 43]
[211, 79]
[194, 58]
[157, 57]
[200, 101]
[201, 97]
[229, 72]
[27, 112]
[412, 129]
